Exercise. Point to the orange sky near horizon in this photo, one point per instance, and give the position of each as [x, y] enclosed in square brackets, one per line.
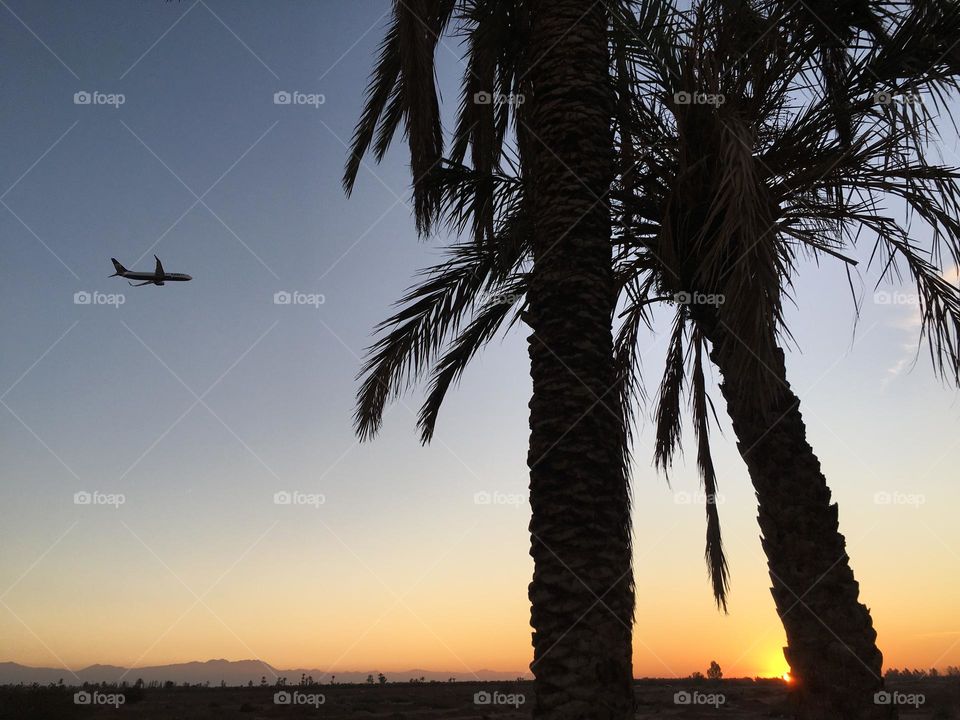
[341, 614]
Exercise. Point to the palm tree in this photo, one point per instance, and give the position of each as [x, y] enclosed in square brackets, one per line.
[550, 58]
[722, 201]
[582, 589]
[724, 209]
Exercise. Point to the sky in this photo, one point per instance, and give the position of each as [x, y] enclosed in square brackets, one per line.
[195, 404]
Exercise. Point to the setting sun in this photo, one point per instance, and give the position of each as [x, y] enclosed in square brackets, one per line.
[776, 666]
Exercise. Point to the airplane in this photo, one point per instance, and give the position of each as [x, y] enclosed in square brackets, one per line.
[158, 277]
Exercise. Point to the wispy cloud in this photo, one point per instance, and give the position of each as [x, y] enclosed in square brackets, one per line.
[909, 321]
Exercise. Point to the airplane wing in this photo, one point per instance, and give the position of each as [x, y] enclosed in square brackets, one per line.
[159, 270]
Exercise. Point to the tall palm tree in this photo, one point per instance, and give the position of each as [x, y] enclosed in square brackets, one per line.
[582, 589]
[552, 55]
[798, 160]
[722, 200]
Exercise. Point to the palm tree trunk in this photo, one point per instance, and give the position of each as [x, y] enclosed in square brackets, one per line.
[582, 588]
[831, 643]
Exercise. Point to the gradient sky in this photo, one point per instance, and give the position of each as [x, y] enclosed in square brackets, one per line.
[198, 402]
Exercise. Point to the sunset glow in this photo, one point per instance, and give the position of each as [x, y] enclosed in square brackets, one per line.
[204, 403]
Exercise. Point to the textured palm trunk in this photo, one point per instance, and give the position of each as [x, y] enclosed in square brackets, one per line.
[831, 643]
[582, 588]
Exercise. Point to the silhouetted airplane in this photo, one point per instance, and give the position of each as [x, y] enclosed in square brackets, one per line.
[158, 277]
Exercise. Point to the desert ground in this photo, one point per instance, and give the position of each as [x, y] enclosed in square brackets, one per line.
[742, 699]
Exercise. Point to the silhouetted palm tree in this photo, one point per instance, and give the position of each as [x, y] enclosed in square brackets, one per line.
[542, 66]
[722, 200]
[731, 197]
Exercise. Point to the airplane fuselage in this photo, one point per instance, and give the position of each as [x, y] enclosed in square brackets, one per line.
[151, 277]
[158, 277]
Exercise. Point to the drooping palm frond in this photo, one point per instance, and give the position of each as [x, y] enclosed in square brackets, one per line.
[429, 314]
[383, 86]
[702, 408]
[470, 197]
[627, 352]
[668, 413]
[486, 323]
[403, 90]
[477, 119]
[434, 310]
[494, 31]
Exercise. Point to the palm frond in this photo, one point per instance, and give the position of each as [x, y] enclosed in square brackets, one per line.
[431, 312]
[668, 413]
[421, 106]
[383, 85]
[412, 336]
[486, 323]
[701, 407]
[403, 89]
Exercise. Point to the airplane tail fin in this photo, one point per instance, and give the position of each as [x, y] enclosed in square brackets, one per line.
[120, 269]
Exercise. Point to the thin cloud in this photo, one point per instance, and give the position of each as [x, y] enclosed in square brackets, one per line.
[910, 322]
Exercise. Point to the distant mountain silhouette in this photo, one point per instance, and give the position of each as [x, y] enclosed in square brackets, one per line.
[238, 672]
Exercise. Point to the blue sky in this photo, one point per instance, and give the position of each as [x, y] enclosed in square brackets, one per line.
[200, 401]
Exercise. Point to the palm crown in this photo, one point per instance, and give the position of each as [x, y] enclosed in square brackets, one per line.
[748, 138]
